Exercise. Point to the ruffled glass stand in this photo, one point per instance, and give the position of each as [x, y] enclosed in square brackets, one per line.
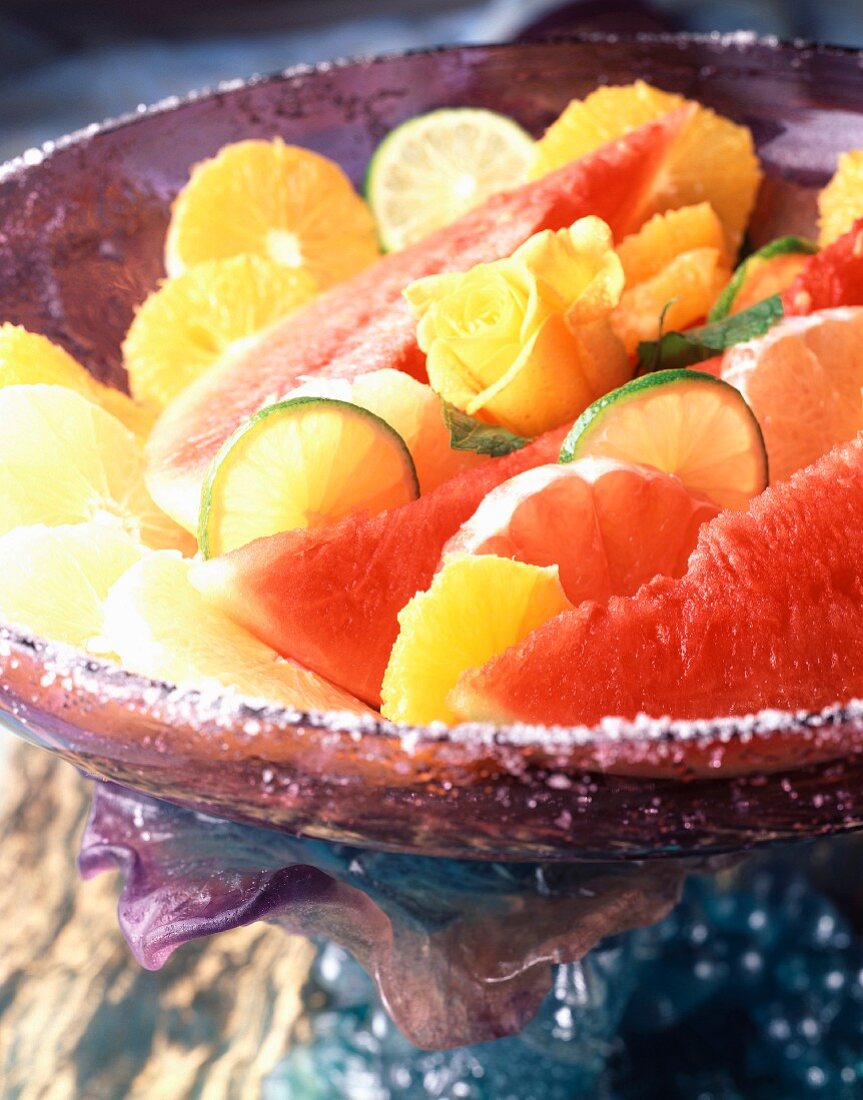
[589, 976]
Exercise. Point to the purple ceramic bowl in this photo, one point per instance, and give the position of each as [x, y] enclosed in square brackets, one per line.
[83, 223]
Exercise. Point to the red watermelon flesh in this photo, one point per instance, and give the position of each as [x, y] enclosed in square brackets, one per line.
[364, 324]
[330, 597]
[830, 278]
[768, 615]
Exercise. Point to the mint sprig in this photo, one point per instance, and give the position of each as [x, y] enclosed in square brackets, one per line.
[675, 350]
[468, 434]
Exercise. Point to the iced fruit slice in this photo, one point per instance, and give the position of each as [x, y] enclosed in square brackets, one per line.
[766, 616]
[306, 462]
[54, 580]
[26, 358]
[190, 322]
[475, 608]
[365, 324]
[290, 205]
[683, 422]
[64, 460]
[608, 525]
[803, 381]
[330, 597]
[159, 626]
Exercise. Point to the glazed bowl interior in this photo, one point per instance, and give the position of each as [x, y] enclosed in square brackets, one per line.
[83, 224]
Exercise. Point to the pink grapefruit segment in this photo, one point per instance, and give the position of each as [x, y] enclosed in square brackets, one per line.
[330, 598]
[364, 324]
[767, 615]
[609, 526]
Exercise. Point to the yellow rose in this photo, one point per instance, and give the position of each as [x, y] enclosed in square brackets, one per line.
[525, 342]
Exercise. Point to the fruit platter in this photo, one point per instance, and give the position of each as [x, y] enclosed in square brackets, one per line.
[452, 453]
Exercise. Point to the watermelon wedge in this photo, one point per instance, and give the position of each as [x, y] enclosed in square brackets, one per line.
[364, 324]
[330, 597]
[830, 278]
[768, 615]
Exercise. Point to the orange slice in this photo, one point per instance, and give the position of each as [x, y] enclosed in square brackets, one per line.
[713, 159]
[191, 321]
[285, 203]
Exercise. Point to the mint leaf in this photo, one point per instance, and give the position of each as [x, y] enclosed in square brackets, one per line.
[780, 247]
[468, 434]
[681, 349]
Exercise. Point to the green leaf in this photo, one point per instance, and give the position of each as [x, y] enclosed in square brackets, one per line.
[780, 247]
[681, 349]
[468, 434]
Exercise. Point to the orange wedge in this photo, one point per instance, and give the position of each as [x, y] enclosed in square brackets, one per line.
[475, 609]
[840, 203]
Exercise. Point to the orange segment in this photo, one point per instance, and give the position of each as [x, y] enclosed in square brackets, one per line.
[26, 358]
[664, 237]
[302, 463]
[713, 159]
[840, 203]
[475, 609]
[288, 204]
[687, 286]
[803, 381]
[609, 526]
[191, 321]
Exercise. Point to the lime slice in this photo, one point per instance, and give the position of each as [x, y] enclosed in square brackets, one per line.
[305, 462]
[434, 167]
[766, 272]
[683, 422]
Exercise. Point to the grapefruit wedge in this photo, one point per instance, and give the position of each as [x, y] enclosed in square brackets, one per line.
[767, 615]
[329, 598]
[364, 324]
[830, 278]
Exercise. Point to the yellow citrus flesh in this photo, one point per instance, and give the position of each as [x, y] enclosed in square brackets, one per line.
[678, 296]
[160, 626]
[666, 236]
[432, 169]
[26, 358]
[840, 203]
[302, 463]
[54, 580]
[290, 205]
[803, 381]
[64, 460]
[413, 409]
[684, 423]
[193, 320]
[475, 608]
[713, 160]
